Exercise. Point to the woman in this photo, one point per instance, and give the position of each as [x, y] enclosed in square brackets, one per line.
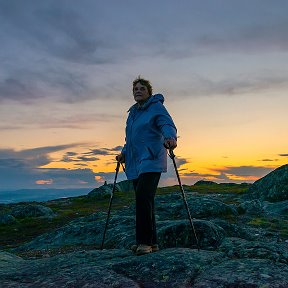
[149, 131]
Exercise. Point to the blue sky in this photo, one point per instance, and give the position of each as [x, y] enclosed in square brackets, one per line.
[66, 74]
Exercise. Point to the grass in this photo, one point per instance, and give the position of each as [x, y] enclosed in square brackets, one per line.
[24, 230]
[271, 225]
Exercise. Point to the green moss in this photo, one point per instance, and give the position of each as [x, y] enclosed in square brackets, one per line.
[274, 225]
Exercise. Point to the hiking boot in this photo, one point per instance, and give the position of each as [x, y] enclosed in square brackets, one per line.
[134, 248]
[154, 247]
[143, 249]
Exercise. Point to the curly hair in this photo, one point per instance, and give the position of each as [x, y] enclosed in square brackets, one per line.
[144, 82]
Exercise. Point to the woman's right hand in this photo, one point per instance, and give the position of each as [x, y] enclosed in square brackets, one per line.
[121, 158]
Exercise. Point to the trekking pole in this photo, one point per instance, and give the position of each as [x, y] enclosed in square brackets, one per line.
[110, 203]
[172, 156]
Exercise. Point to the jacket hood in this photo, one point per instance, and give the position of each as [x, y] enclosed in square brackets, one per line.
[152, 99]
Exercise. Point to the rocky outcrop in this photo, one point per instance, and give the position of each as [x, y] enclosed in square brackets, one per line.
[173, 267]
[105, 190]
[124, 186]
[243, 243]
[173, 226]
[172, 207]
[205, 182]
[273, 187]
[32, 210]
[10, 214]
[7, 219]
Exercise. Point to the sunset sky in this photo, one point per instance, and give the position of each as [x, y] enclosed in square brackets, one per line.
[67, 68]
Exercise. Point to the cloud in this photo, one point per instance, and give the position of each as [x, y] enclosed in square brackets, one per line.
[110, 176]
[269, 160]
[23, 169]
[56, 28]
[20, 169]
[73, 52]
[58, 119]
[236, 174]
[16, 89]
[33, 83]
[67, 158]
[106, 151]
[73, 178]
[29, 158]
[239, 84]
[245, 171]
[283, 155]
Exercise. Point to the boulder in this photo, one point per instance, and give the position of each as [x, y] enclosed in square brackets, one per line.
[105, 190]
[31, 210]
[7, 219]
[172, 207]
[125, 186]
[273, 187]
[101, 192]
[180, 234]
[252, 207]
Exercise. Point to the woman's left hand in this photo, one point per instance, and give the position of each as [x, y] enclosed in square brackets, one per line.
[170, 143]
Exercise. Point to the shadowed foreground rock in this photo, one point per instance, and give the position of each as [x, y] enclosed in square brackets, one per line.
[174, 267]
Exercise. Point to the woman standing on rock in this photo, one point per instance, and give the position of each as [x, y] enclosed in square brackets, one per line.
[149, 131]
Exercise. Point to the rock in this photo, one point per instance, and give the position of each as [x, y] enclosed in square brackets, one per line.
[7, 219]
[244, 273]
[84, 231]
[113, 268]
[243, 243]
[68, 270]
[180, 234]
[172, 207]
[103, 191]
[204, 182]
[173, 267]
[254, 207]
[121, 234]
[241, 248]
[168, 268]
[10, 263]
[30, 210]
[278, 208]
[125, 186]
[273, 187]
[232, 230]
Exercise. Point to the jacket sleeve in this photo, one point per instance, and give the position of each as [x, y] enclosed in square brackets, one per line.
[165, 123]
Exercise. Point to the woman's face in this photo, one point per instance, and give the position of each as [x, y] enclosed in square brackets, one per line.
[140, 93]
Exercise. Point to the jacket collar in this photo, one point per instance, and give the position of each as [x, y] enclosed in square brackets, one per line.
[152, 99]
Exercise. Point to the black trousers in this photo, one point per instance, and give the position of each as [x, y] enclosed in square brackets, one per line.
[145, 189]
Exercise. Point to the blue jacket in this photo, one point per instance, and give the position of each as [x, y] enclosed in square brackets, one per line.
[146, 128]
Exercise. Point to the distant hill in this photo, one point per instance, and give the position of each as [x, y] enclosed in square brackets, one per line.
[40, 194]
